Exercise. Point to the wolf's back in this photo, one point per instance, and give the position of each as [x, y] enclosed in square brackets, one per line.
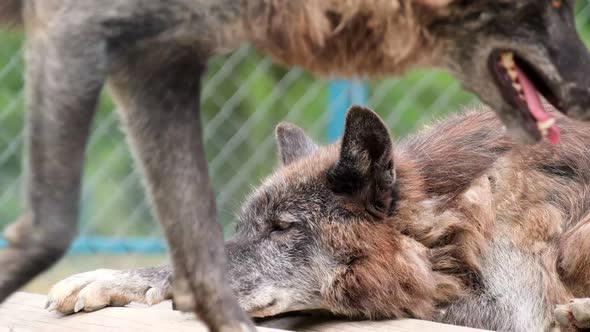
[10, 12]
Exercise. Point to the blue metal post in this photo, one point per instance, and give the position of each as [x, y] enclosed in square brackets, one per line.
[341, 95]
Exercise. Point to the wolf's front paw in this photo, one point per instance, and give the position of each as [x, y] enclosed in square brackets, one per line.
[95, 290]
[575, 314]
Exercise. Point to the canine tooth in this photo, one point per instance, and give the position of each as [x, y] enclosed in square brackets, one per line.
[512, 73]
[507, 59]
[543, 126]
[544, 133]
[517, 86]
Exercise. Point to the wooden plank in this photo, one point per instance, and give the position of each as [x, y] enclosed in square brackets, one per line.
[24, 312]
[402, 325]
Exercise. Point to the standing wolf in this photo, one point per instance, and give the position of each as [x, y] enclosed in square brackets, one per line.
[455, 224]
[153, 53]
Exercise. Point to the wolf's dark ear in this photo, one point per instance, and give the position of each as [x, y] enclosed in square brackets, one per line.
[365, 167]
[292, 142]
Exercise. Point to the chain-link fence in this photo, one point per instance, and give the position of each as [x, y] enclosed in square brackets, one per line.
[244, 97]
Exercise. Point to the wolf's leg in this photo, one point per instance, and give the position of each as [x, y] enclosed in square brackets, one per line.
[575, 314]
[574, 258]
[64, 77]
[574, 270]
[159, 88]
[94, 290]
[517, 293]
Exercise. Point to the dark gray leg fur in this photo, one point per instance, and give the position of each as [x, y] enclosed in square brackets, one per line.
[161, 114]
[63, 85]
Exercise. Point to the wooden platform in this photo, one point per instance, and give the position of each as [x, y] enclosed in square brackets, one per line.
[25, 312]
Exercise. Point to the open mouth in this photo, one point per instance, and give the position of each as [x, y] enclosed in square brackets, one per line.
[521, 85]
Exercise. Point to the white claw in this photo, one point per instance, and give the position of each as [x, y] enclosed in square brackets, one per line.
[52, 306]
[517, 86]
[79, 304]
[150, 297]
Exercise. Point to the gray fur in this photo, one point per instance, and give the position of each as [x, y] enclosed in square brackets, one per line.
[509, 300]
[292, 143]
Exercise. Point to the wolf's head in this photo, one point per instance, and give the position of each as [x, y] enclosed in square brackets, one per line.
[509, 51]
[506, 51]
[325, 230]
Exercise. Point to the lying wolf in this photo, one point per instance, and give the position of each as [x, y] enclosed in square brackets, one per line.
[455, 224]
[153, 53]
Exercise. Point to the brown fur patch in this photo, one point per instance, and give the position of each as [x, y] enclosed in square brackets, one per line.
[416, 259]
[449, 165]
[379, 282]
[342, 37]
[574, 260]
[461, 184]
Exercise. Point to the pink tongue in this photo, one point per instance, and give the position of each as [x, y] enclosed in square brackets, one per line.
[536, 107]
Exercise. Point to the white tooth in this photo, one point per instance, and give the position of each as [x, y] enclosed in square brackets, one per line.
[507, 59]
[543, 126]
[544, 132]
[517, 86]
[512, 73]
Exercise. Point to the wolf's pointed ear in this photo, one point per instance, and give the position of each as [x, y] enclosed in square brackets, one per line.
[365, 166]
[292, 142]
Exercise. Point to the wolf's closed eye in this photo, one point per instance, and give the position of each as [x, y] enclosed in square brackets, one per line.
[281, 226]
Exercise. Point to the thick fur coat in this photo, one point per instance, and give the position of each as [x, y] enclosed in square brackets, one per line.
[456, 224]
